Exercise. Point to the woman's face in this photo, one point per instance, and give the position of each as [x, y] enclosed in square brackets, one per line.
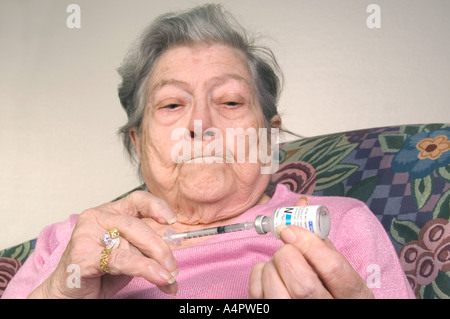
[195, 96]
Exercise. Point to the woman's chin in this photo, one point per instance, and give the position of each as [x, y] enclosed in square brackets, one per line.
[205, 183]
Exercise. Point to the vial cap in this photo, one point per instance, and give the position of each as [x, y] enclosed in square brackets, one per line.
[259, 224]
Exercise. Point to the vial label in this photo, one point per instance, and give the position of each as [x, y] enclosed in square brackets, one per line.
[302, 216]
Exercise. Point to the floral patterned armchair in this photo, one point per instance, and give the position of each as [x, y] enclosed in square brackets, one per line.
[401, 172]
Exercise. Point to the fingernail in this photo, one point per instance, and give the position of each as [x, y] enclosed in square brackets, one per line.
[279, 229]
[169, 215]
[286, 234]
[172, 220]
[305, 199]
[167, 277]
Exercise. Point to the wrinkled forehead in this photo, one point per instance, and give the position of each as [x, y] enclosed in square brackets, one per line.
[215, 64]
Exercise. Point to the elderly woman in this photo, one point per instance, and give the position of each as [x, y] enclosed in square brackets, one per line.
[200, 67]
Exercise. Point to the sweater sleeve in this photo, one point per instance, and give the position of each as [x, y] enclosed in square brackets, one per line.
[50, 246]
[360, 237]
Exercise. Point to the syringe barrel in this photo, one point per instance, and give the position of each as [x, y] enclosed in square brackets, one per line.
[200, 233]
[173, 237]
[234, 227]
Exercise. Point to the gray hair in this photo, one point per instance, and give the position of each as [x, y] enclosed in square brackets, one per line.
[209, 24]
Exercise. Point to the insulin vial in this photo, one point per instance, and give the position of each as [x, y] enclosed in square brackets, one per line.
[314, 218]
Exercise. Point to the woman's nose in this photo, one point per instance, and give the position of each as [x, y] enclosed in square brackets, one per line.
[200, 121]
[207, 133]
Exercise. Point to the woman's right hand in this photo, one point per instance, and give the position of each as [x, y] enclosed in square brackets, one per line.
[141, 253]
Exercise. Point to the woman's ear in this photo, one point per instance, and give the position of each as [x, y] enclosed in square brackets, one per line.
[275, 122]
[136, 139]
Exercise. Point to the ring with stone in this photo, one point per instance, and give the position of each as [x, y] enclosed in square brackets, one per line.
[111, 239]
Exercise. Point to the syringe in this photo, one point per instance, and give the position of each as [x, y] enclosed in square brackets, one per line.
[172, 237]
[314, 218]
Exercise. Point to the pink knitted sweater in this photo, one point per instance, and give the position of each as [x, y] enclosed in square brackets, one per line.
[219, 267]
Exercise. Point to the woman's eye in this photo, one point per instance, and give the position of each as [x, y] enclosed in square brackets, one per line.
[232, 104]
[172, 106]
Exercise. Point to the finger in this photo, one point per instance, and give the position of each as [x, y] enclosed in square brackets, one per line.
[129, 211]
[329, 243]
[124, 262]
[127, 260]
[144, 204]
[255, 287]
[301, 281]
[137, 233]
[111, 285]
[272, 284]
[146, 240]
[171, 289]
[302, 201]
[336, 273]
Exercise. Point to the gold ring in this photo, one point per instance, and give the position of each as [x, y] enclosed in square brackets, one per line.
[104, 260]
[111, 240]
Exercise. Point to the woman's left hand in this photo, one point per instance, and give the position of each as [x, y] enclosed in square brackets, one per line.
[306, 267]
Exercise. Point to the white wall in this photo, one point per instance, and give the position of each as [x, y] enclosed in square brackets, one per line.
[59, 110]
